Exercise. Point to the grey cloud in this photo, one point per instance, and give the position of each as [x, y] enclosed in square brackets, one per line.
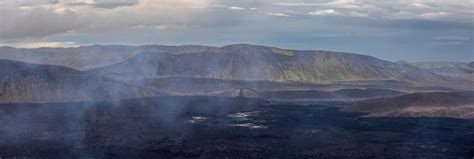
[25, 3]
[452, 38]
[279, 14]
[437, 10]
[299, 4]
[114, 4]
[37, 22]
[104, 15]
[79, 17]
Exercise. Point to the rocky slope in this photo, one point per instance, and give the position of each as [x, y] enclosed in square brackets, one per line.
[261, 63]
[233, 62]
[80, 58]
[429, 104]
[453, 69]
[89, 57]
[30, 83]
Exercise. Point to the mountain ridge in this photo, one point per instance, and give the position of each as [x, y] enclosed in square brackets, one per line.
[240, 62]
[253, 62]
[464, 70]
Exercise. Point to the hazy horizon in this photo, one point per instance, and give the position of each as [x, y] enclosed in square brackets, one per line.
[415, 30]
[392, 60]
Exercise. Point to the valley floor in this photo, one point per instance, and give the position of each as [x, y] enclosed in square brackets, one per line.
[203, 127]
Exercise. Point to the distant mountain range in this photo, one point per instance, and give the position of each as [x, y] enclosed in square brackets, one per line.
[234, 62]
[80, 58]
[115, 72]
[261, 63]
[454, 69]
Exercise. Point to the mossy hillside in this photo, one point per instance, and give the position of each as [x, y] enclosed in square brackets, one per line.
[283, 52]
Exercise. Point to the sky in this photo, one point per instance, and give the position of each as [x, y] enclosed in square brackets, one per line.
[408, 30]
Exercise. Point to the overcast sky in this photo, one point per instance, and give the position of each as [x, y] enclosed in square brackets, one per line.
[411, 30]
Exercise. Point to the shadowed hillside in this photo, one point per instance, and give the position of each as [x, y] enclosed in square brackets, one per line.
[432, 104]
[23, 83]
[453, 69]
[80, 58]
